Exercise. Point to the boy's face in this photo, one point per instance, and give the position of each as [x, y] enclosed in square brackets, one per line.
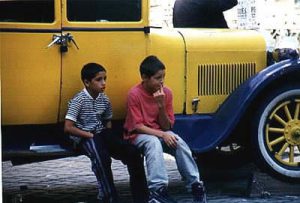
[97, 84]
[155, 82]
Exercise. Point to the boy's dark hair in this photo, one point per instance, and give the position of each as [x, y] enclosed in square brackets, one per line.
[89, 71]
[150, 65]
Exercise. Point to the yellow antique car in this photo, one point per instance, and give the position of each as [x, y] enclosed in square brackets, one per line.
[225, 95]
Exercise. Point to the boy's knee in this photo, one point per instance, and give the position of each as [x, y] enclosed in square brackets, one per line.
[104, 157]
[153, 143]
[132, 151]
[181, 143]
[132, 156]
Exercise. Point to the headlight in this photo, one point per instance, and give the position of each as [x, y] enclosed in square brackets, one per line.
[281, 54]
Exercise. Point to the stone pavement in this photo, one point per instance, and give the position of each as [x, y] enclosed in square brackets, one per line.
[70, 180]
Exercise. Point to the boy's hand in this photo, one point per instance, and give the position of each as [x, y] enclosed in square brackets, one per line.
[170, 140]
[159, 96]
[89, 135]
[71, 129]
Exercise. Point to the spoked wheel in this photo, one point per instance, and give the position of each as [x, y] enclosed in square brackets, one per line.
[276, 133]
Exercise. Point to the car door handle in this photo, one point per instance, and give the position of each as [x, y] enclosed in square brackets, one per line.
[56, 39]
[63, 41]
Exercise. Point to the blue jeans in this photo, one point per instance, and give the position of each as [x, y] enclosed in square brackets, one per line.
[153, 148]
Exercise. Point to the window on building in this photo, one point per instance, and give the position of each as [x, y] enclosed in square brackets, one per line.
[297, 2]
[104, 10]
[39, 11]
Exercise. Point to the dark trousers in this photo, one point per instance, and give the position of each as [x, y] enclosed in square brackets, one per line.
[95, 149]
[105, 145]
[130, 155]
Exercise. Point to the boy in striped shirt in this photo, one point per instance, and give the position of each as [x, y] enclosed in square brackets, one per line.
[88, 121]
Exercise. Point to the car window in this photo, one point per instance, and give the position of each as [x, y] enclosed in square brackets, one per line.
[104, 10]
[39, 11]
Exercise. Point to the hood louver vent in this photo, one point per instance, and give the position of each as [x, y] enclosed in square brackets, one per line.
[222, 79]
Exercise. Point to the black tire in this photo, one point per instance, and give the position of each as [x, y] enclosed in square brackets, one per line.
[276, 133]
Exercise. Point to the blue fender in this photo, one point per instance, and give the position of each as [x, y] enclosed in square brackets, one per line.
[204, 132]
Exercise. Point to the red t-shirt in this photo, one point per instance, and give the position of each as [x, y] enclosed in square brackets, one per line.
[142, 109]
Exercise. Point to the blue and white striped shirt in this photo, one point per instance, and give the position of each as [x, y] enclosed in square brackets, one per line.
[88, 113]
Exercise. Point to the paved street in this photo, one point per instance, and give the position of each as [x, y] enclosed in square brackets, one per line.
[71, 180]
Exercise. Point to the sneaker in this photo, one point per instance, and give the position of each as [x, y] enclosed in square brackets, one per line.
[160, 196]
[199, 193]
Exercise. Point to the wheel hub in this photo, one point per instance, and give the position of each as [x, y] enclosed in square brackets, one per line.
[292, 132]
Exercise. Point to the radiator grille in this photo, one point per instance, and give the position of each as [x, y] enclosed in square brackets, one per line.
[222, 79]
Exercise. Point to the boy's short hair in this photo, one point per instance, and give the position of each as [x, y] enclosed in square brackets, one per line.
[89, 71]
[150, 65]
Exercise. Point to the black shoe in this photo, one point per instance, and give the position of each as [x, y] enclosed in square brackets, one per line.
[199, 193]
[160, 196]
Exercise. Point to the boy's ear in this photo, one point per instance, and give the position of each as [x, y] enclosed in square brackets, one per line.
[86, 82]
[144, 77]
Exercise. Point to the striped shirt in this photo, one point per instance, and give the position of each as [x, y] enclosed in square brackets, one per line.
[88, 113]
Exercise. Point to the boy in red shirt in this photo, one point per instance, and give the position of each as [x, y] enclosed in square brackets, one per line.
[148, 125]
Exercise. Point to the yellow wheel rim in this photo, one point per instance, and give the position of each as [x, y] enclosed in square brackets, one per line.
[283, 133]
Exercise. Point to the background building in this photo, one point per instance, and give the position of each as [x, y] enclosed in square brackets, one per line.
[248, 14]
[278, 20]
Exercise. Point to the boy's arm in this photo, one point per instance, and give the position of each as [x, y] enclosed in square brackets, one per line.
[107, 115]
[74, 108]
[169, 139]
[70, 128]
[134, 118]
[107, 126]
[163, 118]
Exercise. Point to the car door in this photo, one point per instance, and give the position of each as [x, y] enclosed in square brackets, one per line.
[108, 32]
[30, 71]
